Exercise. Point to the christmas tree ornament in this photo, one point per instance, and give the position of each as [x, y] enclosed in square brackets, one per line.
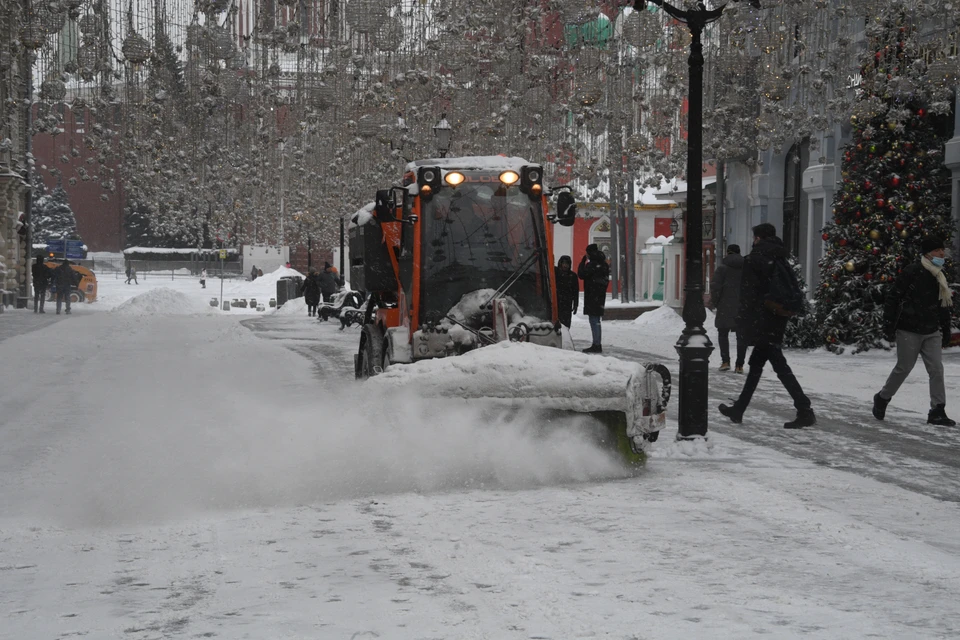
[849, 265]
[874, 234]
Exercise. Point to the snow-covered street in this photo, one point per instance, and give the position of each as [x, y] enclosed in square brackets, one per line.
[210, 474]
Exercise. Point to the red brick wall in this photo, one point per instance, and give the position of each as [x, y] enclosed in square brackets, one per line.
[99, 222]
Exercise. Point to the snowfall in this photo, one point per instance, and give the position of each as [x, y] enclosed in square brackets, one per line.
[173, 470]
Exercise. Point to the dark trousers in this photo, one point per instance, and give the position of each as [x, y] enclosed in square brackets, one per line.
[773, 353]
[63, 296]
[39, 297]
[565, 314]
[723, 337]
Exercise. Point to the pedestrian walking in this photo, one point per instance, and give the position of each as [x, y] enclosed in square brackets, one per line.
[310, 290]
[595, 273]
[203, 278]
[329, 282]
[41, 280]
[132, 274]
[64, 279]
[568, 290]
[762, 321]
[725, 299]
[916, 315]
[253, 273]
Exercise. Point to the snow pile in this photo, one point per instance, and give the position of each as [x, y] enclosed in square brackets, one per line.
[272, 277]
[663, 320]
[539, 375]
[295, 307]
[161, 301]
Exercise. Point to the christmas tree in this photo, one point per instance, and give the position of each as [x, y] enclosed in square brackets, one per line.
[895, 189]
[52, 217]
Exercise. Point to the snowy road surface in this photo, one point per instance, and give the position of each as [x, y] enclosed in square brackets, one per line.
[190, 476]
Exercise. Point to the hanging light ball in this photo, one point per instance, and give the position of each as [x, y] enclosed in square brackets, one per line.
[389, 35]
[52, 18]
[323, 96]
[135, 48]
[89, 25]
[53, 88]
[365, 16]
[32, 35]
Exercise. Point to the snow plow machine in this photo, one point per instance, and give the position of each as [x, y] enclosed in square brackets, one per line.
[458, 261]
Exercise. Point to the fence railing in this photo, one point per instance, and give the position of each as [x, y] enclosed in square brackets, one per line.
[167, 269]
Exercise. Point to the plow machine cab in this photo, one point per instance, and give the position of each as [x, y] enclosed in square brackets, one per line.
[458, 257]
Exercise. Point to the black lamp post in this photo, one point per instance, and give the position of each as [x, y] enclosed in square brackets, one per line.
[693, 346]
[442, 131]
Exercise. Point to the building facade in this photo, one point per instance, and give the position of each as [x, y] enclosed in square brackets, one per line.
[14, 149]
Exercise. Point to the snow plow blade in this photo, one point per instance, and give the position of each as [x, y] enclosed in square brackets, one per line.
[626, 400]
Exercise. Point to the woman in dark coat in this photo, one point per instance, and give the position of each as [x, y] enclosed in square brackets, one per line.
[595, 274]
[311, 291]
[568, 290]
[725, 299]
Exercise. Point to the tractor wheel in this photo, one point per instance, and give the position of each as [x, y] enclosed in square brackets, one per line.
[77, 297]
[370, 357]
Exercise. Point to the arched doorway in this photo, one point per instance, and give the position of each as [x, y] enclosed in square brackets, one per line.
[795, 199]
[600, 236]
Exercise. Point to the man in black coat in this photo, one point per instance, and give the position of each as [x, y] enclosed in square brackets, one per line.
[595, 274]
[310, 290]
[41, 279]
[916, 315]
[725, 299]
[64, 278]
[329, 283]
[763, 328]
[568, 290]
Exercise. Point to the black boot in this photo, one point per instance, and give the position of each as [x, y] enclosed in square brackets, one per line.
[594, 348]
[731, 411]
[805, 418]
[880, 406]
[938, 416]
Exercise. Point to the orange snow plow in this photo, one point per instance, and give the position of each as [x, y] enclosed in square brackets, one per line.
[458, 261]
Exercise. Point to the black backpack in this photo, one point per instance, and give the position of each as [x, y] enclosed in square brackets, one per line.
[784, 295]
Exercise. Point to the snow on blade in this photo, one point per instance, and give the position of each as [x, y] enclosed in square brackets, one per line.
[559, 378]
[160, 301]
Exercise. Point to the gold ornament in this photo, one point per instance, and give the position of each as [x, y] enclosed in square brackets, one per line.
[904, 234]
[874, 235]
[891, 125]
[853, 119]
[849, 266]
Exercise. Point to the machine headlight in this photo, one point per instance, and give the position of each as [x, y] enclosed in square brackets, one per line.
[454, 178]
[509, 177]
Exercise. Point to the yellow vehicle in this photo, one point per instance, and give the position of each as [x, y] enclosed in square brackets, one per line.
[86, 291]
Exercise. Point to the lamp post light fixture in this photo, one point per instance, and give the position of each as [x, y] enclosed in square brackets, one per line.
[442, 131]
[693, 346]
[399, 137]
[674, 227]
[708, 226]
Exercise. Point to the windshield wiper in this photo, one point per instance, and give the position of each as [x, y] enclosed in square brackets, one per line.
[514, 277]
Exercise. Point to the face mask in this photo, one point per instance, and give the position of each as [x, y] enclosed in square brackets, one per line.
[938, 262]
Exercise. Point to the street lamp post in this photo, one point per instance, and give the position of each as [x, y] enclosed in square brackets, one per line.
[693, 346]
[442, 131]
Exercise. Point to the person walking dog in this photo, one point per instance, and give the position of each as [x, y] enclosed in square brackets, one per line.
[725, 298]
[916, 315]
[769, 294]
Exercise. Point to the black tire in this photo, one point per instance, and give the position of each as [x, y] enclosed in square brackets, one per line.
[77, 297]
[370, 356]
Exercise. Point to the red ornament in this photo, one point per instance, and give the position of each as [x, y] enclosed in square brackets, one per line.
[867, 185]
[921, 112]
[880, 203]
[843, 242]
[895, 181]
[876, 251]
[868, 276]
[898, 225]
[825, 237]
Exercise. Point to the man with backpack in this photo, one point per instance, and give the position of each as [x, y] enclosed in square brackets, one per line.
[769, 296]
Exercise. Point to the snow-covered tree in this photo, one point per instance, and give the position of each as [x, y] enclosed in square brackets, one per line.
[895, 188]
[52, 217]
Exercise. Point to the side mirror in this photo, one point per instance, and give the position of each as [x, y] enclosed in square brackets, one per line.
[384, 206]
[566, 209]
